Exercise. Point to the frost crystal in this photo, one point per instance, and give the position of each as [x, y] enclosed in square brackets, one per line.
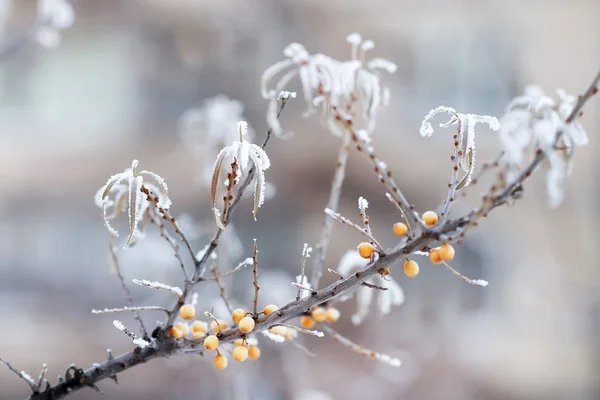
[534, 121]
[123, 193]
[158, 286]
[363, 204]
[243, 153]
[466, 134]
[331, 84]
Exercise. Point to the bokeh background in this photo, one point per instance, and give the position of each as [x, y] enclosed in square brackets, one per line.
[115, 90]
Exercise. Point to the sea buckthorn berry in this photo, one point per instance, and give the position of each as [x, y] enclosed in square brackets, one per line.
[187, 311]
[246, 325]
[220, 361]
[434, 256]
[270, 309]
[198, 335]
[384, 271]
[400, 228]
[430, 218]
[238, 342]
[446, 252]
[307, 322]
[176, 333]
[216, 328]
[240, 353]
[319, 314]
[199, 326]
[411, 268]
[183, 327]
[278, 330]
[237, 315]
[332, 314]
[366, 250]
[211, 342]
[253, 352]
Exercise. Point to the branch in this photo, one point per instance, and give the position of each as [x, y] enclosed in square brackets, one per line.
[332, 204]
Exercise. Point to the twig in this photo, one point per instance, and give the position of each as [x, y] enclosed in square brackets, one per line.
[255, 280]
[305, 255]
[214, 319]
[170, 240]
[23, 375]
[333, 271]
[307, 331]
[341, 219]
[477, 282]
[399, 207]
[452, 186]
[384, 358]
[302, 287]
[129, 309]
[372, 286]
[332, 204]
[213, 269]
[246, 262]
[159, 286]
[128, 296]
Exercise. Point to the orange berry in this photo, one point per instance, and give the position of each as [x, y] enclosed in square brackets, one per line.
[240, 353]
[270, 309]
[237, 315]
[199, 326]
[183, 327]
[238, 342]
[332, 314]
[411, 268]
[446, 252]
[278, 330]
[430, 218]
[246, 325]
[216, 328]
[211, 342]
[400, 229]
[307, 322]
[366, 250]
[176, 333]
[220, 361]
[434, 256]
[198, 335]
[253, 352]
[187, 311]
[319, 314]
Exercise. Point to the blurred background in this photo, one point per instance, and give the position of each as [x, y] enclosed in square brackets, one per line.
[115, 90]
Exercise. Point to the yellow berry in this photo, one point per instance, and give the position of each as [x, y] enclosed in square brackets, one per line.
[211, 342]
[187, 311]
[434, 256]
[307, 322]
[240, 353]
[319, 314]
[246, 325]
[446, 252]
[253, 352]
[430, 218]
[238, 342]
[411, 268]
[183, 327]
[366, 250]
[198, 335]
[400, 229]
[199, 326]
[176, 333]
[237, 315]
[332, 314]
[220, 361]
[270, 309]
[216, 328]
[278, 330]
